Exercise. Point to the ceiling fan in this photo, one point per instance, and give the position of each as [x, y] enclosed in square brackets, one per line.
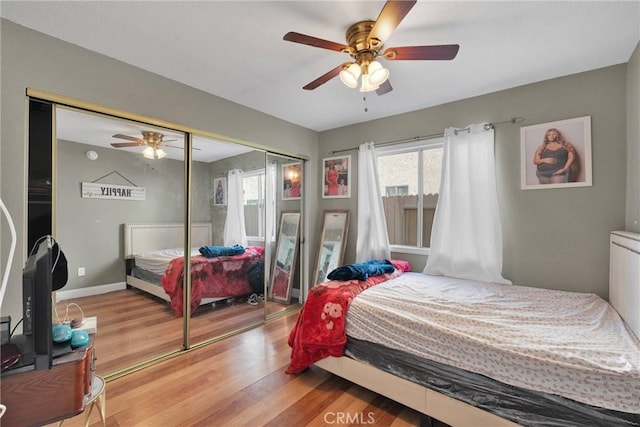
[365, 41]
[152, 140]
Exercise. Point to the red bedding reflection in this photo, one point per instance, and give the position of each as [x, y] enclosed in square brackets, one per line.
[217, 277]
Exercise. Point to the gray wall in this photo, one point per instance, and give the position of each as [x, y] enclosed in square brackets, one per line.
[633, 142]
[553, 238]
[31, 59]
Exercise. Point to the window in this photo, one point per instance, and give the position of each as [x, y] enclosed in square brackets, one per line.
[397, 190]
[255, 189]
[409, 177]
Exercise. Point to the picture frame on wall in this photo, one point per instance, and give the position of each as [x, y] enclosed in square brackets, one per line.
[336, 177]
[220, 191]
[292, 181]
[556, 154]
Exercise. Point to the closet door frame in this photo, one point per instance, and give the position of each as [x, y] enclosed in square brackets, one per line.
[57, 100]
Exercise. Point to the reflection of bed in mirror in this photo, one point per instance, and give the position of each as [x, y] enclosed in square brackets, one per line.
[155, 265]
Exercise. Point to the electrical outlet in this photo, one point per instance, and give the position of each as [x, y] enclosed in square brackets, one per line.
[80, 271]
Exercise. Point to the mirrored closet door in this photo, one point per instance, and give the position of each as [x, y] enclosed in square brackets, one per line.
[227, 206]
[119, 216]
[118, 194]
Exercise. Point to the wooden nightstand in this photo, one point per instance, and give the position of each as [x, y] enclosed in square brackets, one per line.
[38, 397]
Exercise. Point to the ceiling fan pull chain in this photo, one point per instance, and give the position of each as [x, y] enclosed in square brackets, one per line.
[366, 108]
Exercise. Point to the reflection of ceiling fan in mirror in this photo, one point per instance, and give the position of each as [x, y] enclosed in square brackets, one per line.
[365, 41]
[152, 140]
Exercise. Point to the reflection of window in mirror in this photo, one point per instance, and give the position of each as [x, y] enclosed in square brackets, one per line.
[253, 198]
[258, 190]
[285, 254]
[289, 258]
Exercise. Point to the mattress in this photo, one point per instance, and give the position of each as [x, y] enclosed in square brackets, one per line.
[147, 276]
[564, 343]
[157, 261]
[522, 406]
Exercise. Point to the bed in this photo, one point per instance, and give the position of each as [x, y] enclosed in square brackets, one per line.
[472, 365]
[155, 265]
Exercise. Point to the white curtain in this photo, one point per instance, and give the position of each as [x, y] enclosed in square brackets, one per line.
[372, 241]
[235, 232]
[270, 202]
[466, 238]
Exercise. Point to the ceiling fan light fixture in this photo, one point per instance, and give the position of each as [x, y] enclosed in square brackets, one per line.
[364, 43]
[377, 73]
[349, 76]
[366, 84]
[148, 153]
[154, 153]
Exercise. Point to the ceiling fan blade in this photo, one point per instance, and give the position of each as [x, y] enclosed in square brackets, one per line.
[385, 87]
[435, 52]
[391, 15]
[314, 41]
[130, 138]
[125, 144]
[325, 77]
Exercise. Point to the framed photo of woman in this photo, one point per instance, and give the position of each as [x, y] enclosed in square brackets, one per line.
[220, 191]
[337, 177]
[556, 154]
[292, 181]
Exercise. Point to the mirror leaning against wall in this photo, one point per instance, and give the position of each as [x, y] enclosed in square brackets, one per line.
[284, 267]
[286, 257]
[333, 240]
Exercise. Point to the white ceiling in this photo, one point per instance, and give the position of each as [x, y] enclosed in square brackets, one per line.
[234, 49]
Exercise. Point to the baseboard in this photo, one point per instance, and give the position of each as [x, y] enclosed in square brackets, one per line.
[89, 291]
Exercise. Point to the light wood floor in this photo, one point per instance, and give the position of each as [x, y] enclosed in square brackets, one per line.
[134, 327]
[240, 381]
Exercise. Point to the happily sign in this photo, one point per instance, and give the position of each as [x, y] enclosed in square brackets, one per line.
[93, 190]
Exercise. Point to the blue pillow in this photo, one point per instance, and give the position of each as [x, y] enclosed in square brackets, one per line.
[361, 270]
[215, 251]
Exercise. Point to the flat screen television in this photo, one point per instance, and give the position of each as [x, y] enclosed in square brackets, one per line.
[35, 343]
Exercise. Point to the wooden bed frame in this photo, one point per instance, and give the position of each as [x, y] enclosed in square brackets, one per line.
[624, 296]
[144, 237]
